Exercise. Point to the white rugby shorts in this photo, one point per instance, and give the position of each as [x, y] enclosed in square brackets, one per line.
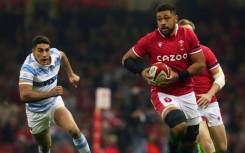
[186, 103]
[211, 114]
[38, 122]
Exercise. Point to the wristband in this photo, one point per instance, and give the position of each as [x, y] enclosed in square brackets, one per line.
[183, 74]
[133, 66]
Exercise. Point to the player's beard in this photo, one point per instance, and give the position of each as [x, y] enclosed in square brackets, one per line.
[168, 32]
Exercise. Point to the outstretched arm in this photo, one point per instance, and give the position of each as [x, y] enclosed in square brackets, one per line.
[65, 64]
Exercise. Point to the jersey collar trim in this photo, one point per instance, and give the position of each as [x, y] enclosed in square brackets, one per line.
[43, 66]
[176, 30]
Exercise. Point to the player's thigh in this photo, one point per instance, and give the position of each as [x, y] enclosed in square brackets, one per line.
[63, 118]
[218, 136]
[37, 122]
[203, 132]
[212, 114]
[43, 138]
[163, 103]
[189, 106]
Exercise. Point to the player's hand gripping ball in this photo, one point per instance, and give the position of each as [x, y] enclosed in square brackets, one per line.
[159, 71]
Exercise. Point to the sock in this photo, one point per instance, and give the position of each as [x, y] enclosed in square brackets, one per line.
[40, 151]
[82, 144]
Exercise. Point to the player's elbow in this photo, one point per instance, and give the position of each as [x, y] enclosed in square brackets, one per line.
[219, 78]
[24, 97]
[201, 67]
[224, 81]
[124, 59]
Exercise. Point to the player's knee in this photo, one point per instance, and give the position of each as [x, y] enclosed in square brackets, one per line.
[204, 138]
[221, 148]
[191, 133]
[74, 132]
[180, 129]
[176, 120]
[207, 146]
[175, 117]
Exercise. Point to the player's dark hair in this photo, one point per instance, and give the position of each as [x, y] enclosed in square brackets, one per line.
[165, 7]
[40, 39]
[187, 22]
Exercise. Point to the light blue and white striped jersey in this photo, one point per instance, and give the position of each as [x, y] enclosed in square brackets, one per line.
[43, 79]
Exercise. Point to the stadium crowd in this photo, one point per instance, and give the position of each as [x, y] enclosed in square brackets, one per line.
[94, 35]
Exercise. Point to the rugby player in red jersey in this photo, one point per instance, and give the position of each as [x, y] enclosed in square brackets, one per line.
[212, 134]
[174, 99]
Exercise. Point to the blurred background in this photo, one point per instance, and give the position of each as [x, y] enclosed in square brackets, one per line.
[95, 34]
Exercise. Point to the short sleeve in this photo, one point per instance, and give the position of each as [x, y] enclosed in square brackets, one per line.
[26, 73]
[140, 48]
[194, 43]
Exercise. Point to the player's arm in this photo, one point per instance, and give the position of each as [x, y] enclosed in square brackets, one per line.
[198, 64]
[27, 95]
[129, 61]
[65, 64]
[219, 82]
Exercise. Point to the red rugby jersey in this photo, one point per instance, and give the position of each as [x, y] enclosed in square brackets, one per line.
[174, 51]
[203, 82]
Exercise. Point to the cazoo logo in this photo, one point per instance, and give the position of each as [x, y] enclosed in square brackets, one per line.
[177, 57]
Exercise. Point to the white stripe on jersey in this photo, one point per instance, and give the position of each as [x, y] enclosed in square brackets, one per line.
[136, 53]
[43, 78]
[196, 51]
[214, 66]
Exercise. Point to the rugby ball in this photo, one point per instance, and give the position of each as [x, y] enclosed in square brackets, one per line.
[159, 71]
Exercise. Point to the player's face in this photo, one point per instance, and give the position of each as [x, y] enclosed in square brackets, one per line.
[42, 54]
[166, 22]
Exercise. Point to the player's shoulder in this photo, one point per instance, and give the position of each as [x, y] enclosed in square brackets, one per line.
[55, 52]
[29, 59]
[29, 64]
[148, 38]
[208, 53]
[182, 29]
[154, 36]
[151, 35]
[185, 31]
[206, 49]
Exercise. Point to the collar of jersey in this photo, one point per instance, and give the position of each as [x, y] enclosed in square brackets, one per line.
[176, 30]
[44, 66]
